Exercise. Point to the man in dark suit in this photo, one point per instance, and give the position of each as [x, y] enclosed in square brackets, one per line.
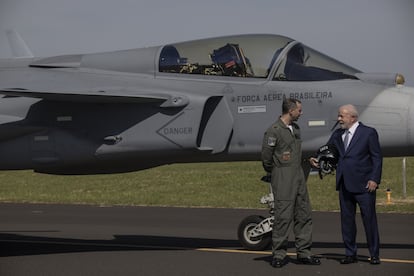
[358, 175]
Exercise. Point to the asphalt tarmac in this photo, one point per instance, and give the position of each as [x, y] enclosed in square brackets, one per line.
[90, 240]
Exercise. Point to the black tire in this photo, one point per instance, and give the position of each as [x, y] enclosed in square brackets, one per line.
[259, 243]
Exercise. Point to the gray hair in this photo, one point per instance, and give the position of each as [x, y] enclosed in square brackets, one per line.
[351, 109]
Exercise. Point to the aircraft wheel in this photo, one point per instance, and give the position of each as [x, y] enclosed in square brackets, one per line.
[257, 243]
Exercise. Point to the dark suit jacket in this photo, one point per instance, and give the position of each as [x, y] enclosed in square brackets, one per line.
[362, 160]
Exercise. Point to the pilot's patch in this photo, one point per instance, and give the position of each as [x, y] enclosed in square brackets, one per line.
[286, 156]
[271, 141]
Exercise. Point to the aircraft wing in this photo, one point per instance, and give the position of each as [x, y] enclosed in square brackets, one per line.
[102, 96]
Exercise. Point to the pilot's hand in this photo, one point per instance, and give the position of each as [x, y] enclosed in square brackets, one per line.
[314, 162]
[267, 178]
[371, 186]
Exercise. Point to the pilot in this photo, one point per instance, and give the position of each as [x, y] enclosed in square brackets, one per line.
[281, 157]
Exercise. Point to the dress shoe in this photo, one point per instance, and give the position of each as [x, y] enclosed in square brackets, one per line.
[349, 260]
[309, 260]
[278, 263]
[375, 261]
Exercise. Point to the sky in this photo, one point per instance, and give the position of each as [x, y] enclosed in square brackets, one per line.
[370, 35]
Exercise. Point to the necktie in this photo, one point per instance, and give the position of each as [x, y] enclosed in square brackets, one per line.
[346, 139]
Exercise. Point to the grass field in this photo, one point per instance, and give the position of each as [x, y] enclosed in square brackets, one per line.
[234, 185]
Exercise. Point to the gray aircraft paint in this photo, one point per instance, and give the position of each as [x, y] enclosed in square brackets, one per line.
[127, 110]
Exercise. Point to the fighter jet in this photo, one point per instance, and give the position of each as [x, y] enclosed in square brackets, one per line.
[204, 100]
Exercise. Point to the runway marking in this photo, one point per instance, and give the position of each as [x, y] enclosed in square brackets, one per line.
[386, 260]
[234, 251]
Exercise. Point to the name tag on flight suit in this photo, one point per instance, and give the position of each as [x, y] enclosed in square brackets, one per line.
[286, 156]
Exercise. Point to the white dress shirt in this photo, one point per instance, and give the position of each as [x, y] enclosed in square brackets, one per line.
[351, 131]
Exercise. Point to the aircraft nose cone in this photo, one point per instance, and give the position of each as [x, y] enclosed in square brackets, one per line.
[392, 114]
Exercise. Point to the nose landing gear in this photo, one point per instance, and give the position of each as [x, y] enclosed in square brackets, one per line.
[255, 232]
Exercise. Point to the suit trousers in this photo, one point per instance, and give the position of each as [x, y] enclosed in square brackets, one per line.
[366, 202]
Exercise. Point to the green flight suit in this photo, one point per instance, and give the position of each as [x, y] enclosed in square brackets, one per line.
[282, 157]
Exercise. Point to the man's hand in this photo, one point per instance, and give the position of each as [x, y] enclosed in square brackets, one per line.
[371, 186]
[314, 162]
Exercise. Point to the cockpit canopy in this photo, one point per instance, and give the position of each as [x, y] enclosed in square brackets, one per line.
[253, 56]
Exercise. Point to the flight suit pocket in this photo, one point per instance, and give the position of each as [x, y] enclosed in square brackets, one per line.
[283, 183]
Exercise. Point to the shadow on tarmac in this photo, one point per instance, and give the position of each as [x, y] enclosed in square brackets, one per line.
[22, 245]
